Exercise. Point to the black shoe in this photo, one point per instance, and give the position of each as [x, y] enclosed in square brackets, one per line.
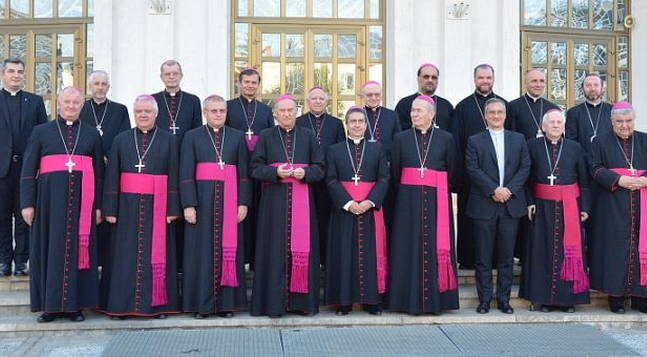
[466, 266]
[277, 316]
[483, 308]
[21, 269]
[160, 316]
[301, 313]
[617, 309]
[5, 269]
[45, 317]
[568, 309]
[546, 308]
[226, 314]
[199, 316]
[117, 318]
[77, 316]
[342, 311]
[505, 308]
[373, 309]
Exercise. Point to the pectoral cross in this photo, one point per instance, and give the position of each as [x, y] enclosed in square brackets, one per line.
[140, 166]
[552, 179]
[632, 170]
[99, 129]
[221, 164]
[355, 179]
[422, 171]
[174, 128]
[69, 164]
[249, 133]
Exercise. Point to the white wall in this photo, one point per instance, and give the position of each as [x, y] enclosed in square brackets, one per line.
[638, 51]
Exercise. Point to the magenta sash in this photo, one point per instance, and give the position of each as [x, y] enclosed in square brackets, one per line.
[573, 265]
[156, 185]
[299, 231]
[210, 171]
[56, 163]
[251, 142]
[642, 233]
[359, 194]
[437, 179]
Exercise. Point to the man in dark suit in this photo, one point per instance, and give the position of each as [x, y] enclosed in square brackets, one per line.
[20, 111]
[498, 165]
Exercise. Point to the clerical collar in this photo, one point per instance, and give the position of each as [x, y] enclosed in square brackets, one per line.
[147, 131]
[372, 109]
[169, 94]
[356, 141]
[242, 97]
[592, 105]
[214, 129]
[431, 95]
[13, 94]
[491, 93]
[67, 122]
[534, 99]
[288, 129]
[554, 142]
[318, 115]
[98, 105]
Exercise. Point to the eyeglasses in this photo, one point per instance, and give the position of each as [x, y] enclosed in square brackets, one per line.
[429, 76]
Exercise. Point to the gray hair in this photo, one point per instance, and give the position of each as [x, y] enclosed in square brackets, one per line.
[98, 73]
[561, 115]
[147, 98]
[212, 98]
[14, 60]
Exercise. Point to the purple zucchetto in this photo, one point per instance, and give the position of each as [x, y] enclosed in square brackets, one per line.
[427, 99]
[283, 97]
[623, 104]
[368, 83]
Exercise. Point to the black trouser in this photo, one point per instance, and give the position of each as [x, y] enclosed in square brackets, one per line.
[499, 231]
[10, 209]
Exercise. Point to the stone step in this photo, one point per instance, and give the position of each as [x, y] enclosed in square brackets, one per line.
[99, 324]
[14, 283]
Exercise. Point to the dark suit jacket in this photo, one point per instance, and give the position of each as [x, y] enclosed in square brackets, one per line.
[32, 113]
[482, 168]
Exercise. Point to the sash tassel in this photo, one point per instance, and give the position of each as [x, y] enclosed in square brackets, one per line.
[299, 276]
[84, 252]
[446, 276]
[159, 285]
[573, 270]
[229, 276]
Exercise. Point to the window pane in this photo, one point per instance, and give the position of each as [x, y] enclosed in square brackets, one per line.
[294, 45]
[580, 14]
[539, 52]
[271, 45]
[238, 67]
[623, 85]
[271, 79]
[19, 9]
[581, 54]
[375, 72]
[90, 8]
[375, 34]
[323, 76]
[295, 8]
[70, 8]
[535, 12]
[42, 8]
[558, 84]
[622, 12]
[603, 14]
[346, 46]
[2, 10]
[580, 74]
[2, 47]
[267, 8]
[43, 79]
[346, 79]
[559, 13]
[623, 53]
[558, 53]
[43, 46]
[90, 40]
[241, 38]
[64, 75]
[599, 55]
[18, 46]
[294, 78]
[342, 107]
[350, 9]
[243, 8]
[65, 46]
[374, 9]
[322, 8]
[323, 46]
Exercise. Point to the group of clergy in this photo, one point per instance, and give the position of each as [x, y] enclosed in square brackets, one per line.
[372, 205]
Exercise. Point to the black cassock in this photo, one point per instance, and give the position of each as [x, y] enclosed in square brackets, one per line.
[585, 120]
[525, 114]
[544, 253]
[615, 226]
[352, 266]
[186, 110]
[56, 282]
[444, 110]
[387, 126]
[271, 294]
[109, 119]
[241, 114]
[202, 288]
[131, 279]
[468, 119]
[328, 130]
[413, 284]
